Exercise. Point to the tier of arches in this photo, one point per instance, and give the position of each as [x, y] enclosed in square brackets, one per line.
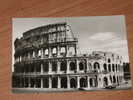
[66, 66]
[54, 82]
[59, 51]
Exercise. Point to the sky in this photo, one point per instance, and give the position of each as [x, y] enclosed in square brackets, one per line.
[94, 33]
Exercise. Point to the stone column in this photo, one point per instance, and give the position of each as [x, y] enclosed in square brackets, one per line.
[58, 66]
[41, 68]
[42, 54]
[67, 51]
[77, 66]
[59, 82]
[50, 52]
[41, 82]
[68, 70]
[68, 82]
[88, 82]
[78, 82]
[58, 51]
[50, 82]
[50, 67]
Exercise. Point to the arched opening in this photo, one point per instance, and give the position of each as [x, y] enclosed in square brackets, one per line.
[93, 82]
[72, 66]
[105, 81]
[105, 67]
[25, 81]
[63, 51]
[71, 51]
[54, 51]
[109, 60]
[32, 82]
[46, 67]
[54, 66]
[109, 67]
[45, 82]
[83, 82]
[38, 67]
[46, 52]
[39, 53]
[81, 66]
[38, 82]
[73, 83]
[96, 66]
[63, 82]
[63, 66]
[54, 82]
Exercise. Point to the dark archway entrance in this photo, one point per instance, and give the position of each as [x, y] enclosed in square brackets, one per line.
[72, 66]
[105, 81]
[73, 83]
[63, 66]
[63, 82]
[83, 82]
[54, 82]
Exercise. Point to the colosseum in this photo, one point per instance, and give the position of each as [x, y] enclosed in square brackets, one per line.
[46, 59]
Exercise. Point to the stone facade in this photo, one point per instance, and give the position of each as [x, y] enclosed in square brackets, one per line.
[46, 58]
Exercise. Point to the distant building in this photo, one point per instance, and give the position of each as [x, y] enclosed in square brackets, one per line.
[46, 58]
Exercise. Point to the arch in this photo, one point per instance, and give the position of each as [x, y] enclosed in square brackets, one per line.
[39, 53]
[73, 66]
[46, 67]
[109, 60]
[54, 50]
[109, 67]
[63, 82]
[62, 50]
[46, 52]
[38, 82]
[63, 66]
[105, 79]
[71, 51]
[54, 66]
[45, 82]
[81, 66]
[96, 65]
[54, 82]
[83, 82]
[105, 66]
[73, 83]
[91, 82]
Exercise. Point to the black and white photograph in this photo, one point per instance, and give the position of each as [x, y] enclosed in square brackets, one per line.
[70, 54]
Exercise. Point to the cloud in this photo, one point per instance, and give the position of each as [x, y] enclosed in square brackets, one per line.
[103, 36]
